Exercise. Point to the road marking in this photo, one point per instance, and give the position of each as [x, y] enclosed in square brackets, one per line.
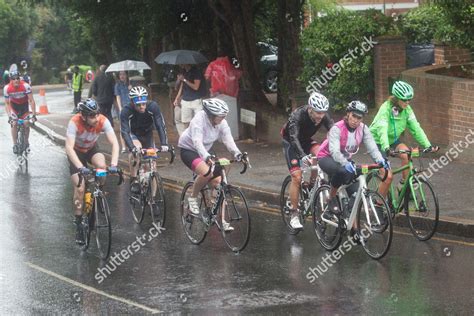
[460, 242]
[93, 290]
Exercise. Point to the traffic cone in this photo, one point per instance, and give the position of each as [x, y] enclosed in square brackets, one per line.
[43, 109]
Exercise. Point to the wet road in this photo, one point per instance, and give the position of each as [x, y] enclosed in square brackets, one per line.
[42, 271]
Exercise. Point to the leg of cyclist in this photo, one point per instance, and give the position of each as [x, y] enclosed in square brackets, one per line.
[78, 196]
[404, 159]
[314, 173]
[293, 164]
[133, 165]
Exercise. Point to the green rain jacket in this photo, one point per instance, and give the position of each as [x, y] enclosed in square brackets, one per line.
[387, 126]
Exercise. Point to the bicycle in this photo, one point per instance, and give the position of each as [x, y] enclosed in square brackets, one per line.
[420, 205]
[96, 211]
[306, 196]
[369, 213]
[22, 150]
[152, 192]
[230, 200]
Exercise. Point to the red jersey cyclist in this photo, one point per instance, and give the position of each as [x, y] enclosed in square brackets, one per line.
[82, 133]
[18, 99]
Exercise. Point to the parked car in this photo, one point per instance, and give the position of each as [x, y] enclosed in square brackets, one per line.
[268, 55]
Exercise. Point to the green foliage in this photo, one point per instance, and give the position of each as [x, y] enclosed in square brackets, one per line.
[451, 22]
[266, 19]
[329, 39]
[419, 25]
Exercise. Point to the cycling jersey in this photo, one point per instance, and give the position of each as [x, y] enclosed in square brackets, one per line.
[86, 136]
[17, 95]
[342, 143]
[300, 128]
[139, 124]
[201, 135]
[390, 123]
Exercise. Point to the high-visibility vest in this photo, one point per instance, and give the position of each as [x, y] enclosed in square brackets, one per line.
[77, 82]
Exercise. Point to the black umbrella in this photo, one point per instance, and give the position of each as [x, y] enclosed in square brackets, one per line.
[181, 57]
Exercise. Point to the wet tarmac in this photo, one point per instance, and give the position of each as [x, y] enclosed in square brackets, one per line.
[42, 271]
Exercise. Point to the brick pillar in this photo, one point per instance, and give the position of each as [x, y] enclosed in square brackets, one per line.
[389, 61]
[445, 54]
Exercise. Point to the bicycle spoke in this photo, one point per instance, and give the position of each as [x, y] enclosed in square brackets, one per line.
[236, 214]
[422, 209]
[193, 226]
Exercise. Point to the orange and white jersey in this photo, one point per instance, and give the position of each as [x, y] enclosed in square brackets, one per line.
[86, 136]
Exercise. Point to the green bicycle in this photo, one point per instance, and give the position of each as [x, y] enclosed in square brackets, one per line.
[416, 198]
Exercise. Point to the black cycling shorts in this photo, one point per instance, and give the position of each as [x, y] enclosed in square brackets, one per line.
[291, 154]
[146, 140]
[20, 110]
[84, 158]
[191, 159]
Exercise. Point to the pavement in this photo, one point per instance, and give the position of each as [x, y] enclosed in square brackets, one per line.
[262, 183]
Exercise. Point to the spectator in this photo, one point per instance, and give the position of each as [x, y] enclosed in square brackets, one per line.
[77, 79]
[68, 79]
[103, 92]
[122, 87]
[191, 92]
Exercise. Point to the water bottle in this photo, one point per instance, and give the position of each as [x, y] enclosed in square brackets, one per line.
[87, 202]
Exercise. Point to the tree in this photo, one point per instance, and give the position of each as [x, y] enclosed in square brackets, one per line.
[289, 59]
[238, 17]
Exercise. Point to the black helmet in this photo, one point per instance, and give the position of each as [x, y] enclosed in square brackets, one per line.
[88, 107]
[14, 74]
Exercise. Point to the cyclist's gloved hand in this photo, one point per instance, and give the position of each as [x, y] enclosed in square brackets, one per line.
[33, 118]
[113, 169]
[307, 160]
[84, 170]
[210, 159]
[431, 149]
[389, 152]
[350, 167]
[385, 163]
[135, 150]
[165, 148]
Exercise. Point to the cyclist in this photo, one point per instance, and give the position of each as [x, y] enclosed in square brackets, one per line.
[342, 143]
[207, 126]
[393, 117]
[18, 100]
[82, 133]
[299, 147]
[136, 123]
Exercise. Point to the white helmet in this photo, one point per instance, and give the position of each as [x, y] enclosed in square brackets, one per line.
[215, 107]
[138, 95]
[318, 102]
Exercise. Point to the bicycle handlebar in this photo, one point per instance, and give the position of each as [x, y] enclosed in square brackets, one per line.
[143, 152]
[93, 172]
[225, 162]
[363, 169]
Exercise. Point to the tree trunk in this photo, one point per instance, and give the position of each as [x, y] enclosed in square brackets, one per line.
[238, 16]
[289, 59]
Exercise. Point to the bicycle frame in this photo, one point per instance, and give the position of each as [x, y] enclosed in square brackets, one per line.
[397, 201]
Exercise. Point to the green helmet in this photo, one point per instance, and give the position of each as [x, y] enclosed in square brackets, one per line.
[402, 90]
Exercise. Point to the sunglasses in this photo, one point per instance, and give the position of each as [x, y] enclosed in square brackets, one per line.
[138, 100]
[16, 78]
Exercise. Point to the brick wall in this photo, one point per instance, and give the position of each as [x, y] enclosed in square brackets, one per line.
[444, 106]
[389, 61]
[446, 54]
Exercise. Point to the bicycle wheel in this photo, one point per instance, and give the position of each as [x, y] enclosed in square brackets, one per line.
[137, 205]
[373, 181]
[237, 215]
[103, 228]
[285, 205]
[22, 154]
[86, 230]
[423, 219]
[374, 224]
[193, 226]
[157, 203]
[329, 235]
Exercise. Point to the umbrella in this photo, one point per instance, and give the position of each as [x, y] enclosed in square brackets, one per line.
[181, 57]
[126, 65]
